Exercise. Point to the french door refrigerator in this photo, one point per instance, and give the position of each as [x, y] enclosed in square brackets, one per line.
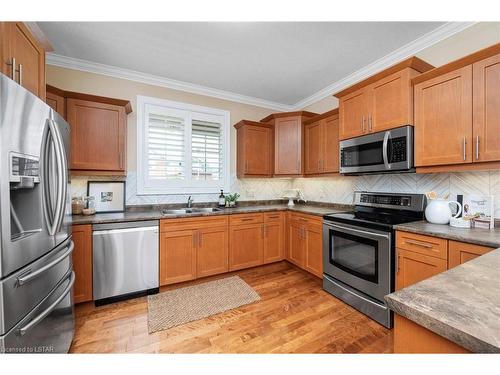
[36, 269]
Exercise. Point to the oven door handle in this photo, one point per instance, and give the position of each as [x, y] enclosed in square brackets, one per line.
[357, 295]
[385, 149]
[358, 230]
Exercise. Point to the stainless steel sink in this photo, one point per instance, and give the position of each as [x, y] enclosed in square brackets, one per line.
[183, 211]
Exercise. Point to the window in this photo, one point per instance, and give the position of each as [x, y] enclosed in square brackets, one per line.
[181, 148]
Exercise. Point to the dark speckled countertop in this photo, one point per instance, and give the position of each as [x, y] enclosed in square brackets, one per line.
[155, 214]
[463, 303]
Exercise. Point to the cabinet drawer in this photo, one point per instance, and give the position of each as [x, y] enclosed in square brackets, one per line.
[272, 217]
[426, 245]
[460, 252]
[246, 219]
[171, 225]
[304, 219]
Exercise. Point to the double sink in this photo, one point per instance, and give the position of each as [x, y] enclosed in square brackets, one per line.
[196, 210]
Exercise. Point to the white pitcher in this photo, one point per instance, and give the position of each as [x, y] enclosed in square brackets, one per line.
[438, 211]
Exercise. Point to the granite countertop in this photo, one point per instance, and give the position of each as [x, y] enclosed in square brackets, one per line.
[155, 214]
[477, 236]
[461, 304]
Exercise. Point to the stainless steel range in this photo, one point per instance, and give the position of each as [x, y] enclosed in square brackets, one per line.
[359, 252]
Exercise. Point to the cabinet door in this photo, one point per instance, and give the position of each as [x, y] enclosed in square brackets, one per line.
[288, 146]
[313, 148]
[459, 252]
[353, 111]
[297, 245]
[82, 262]
[212, 251]
[414, 267]
[98, 135]
[257, 158]
[330, 163]
[391, 102]
[246, 246]
[443, 119]
[274, 241]
[314, 249]
[57, 103]
[5, 57]
[177, 256]
[486, 109]
[30, 59]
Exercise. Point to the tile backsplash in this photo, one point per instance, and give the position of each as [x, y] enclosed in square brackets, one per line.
[338, 189]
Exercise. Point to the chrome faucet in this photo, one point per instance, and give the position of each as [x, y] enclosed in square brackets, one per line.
[190, 202]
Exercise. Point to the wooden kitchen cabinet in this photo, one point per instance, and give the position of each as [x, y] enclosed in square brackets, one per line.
[274, 239]
[457, 117]
[460, 252]
[82, 262]
[212, 251]
[486, 109]
[288, 141]
[443, 119]
[414, 267]
[56, 100]
[254, 152]
[321, 144]
[192, 248]
[98, 136]
[246, 241]
[19, 46]
[380, 102]
[305, 241]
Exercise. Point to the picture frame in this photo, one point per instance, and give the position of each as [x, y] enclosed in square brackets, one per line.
[109, 196]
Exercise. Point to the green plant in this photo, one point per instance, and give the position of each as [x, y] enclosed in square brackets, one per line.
[232, 197]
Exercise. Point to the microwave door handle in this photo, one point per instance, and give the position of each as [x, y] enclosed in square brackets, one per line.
[385, 150]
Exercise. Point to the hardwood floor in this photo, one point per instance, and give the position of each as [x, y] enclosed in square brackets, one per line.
[294, 316]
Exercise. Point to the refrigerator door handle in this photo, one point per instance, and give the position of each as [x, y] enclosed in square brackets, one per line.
[45, 179]
[33, 275]
[55, 219]
[23, 330]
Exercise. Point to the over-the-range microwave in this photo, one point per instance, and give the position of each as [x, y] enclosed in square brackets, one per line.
[381, 152]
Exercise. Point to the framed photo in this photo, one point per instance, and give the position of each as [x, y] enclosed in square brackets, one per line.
[109, 196]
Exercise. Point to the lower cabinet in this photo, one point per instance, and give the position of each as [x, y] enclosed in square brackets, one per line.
[459, 252]
[414, 267]
[274, 237]
[82, 262]
[305, 242]
[246, 241]
[192, 248]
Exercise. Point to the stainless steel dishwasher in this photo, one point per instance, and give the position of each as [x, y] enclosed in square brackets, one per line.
[125, 261]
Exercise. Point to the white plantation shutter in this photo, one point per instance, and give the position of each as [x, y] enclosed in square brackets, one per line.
[181, 148]
[206, 150]
[166, 155]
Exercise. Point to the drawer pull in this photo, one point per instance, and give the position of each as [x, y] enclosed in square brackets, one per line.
[248, 219]
[421, 244]
[274, 217]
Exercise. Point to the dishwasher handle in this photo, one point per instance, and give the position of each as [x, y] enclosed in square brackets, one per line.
[124, 230]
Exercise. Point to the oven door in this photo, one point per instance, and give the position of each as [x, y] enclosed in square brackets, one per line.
[359, 257]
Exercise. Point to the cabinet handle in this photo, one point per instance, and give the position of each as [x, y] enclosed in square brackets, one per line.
[421, 244]
[477, 147]
[195, 239]
[397, 260]
[247, 219]
[363, 123]
[370, 125]
[464, 144]
[200, 240]
[12, 64]
[262, 230]
[20, 71]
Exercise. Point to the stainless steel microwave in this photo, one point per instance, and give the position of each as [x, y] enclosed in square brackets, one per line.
[381, 152]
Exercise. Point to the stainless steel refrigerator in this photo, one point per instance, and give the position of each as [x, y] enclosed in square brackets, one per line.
[36, 269]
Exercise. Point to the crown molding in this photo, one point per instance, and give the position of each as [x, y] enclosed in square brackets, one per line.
[132, 75]
[410, 49]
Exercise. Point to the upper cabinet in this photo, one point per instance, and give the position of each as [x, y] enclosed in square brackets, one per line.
[457, 116]
[321, 144]
[383, 101]
[23, 57]
[288, 141]
[98, 130]
[255, 146]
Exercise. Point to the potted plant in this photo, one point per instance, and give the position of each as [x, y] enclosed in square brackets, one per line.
[231, 199]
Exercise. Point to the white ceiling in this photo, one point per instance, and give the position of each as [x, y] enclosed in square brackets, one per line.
[280, 62]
